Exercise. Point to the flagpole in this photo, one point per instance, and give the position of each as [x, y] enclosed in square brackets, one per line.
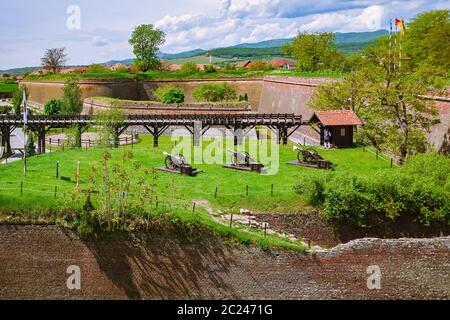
[25, 120]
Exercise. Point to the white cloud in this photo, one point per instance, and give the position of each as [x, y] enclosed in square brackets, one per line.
[189, 24]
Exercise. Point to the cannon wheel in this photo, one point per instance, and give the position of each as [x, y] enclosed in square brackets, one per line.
[302, 157]
[169, 163]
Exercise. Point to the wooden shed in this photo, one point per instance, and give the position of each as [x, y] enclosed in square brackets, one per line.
[341, 124]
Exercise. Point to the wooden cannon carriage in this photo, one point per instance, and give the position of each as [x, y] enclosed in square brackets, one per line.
[243, 161]
[308, 157]
[178, 164]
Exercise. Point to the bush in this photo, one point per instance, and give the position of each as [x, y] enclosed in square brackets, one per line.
[189, 67]
[210, 69]
[170, 94]
[5, 109]
[259, 66]
[420, 188]
[214, 93]
[53, 107]
[97, 68]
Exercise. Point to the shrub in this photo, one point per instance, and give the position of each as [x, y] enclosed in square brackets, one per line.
[420, 188]
[5, 109]
[97, 68]
[210, 69]
[170, 94]
[259, 66]
[72, 102]
[53, 107]
[214, 93]
[189, 67]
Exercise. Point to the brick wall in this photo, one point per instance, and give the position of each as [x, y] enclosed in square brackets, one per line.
[33, 262]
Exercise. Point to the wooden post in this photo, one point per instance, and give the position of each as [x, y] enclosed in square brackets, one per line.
[156, 202]
[392, 162]
[78, 173]
[193, 208]
[21, 188]
[271, 190]
[56, 189]
[57, 169]
[215, 193]
[247, 191]
[231, 221]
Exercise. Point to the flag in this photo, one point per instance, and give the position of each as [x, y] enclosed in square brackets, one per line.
[25, 109]
[400, 23]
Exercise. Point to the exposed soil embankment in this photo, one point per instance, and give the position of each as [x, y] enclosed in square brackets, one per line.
[312, 226]
[34, 260]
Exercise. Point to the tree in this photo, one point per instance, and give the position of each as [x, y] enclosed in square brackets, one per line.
[189, 67]
[427, 38]
[72, 102]
[17, 99]
[97, 68]
[215, 93]
[386, 94]
[312, 50]
[170, 94]
[54, 59]
[53, 107]
[146, 41]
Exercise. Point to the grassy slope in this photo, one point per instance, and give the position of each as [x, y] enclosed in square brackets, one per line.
[8, 87]
[231, 184]
[174, 191]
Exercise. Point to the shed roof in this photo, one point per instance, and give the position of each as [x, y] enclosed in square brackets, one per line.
[337, 118]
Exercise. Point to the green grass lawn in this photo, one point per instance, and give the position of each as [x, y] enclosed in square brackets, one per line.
[175, 191]
[40, 181]
[8, 87]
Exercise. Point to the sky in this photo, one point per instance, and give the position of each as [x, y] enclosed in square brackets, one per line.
[95, 31]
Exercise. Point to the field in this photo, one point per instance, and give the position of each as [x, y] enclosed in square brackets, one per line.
[8, 87]
[42, 192]
[231, 184]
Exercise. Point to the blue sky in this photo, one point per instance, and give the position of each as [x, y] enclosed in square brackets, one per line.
[27, 28]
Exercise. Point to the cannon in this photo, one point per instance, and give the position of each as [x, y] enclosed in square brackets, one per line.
[309, 157]
[243, 161]
[178, 164]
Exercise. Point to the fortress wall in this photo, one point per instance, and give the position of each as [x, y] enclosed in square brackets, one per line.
[142, 108]
[252, 87]
[41, 92]
[34, 260]
[288, 94]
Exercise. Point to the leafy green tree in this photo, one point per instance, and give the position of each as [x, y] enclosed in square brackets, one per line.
[17, 99]
[313, 51]
[189, 67]
[146, 41]
[72, 102]
[386, 94]
[97, 68]
[259, 65]
[30, 147]
[53, 107]
[215, 93]
[209, 69]
[170, 94]
[427, 38]
[109, 121]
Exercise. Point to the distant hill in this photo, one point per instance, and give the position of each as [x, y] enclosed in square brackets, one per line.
[347, 42]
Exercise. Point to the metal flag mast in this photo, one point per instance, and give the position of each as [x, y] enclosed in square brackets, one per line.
[25, 120]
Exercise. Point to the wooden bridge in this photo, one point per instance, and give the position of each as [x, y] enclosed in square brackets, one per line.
[156, 125]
